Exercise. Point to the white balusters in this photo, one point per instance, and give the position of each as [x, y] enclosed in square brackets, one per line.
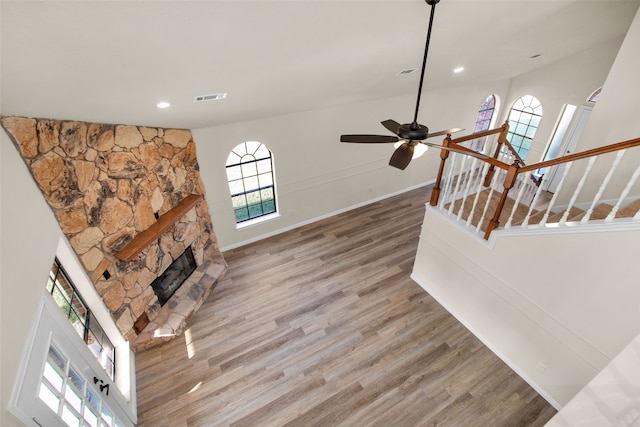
[459, 179]
[567, 167]
[623, 195]
[605, 182]
[488, 202]
[590, 163]
[536, 196]
[463, 187]
[524, 184]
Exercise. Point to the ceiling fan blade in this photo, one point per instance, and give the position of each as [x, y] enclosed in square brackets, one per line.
[392, 125]
[368, 139]
[402, 156]
[461, 150]
[444, 132]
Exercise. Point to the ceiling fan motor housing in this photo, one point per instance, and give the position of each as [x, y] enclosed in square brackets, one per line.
[432, 2]
[413, 132]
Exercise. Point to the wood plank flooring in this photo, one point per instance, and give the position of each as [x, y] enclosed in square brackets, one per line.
[322, 326]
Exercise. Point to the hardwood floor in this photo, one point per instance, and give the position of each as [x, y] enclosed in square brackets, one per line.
[322, 326]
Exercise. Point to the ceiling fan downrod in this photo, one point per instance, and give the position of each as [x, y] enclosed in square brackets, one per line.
[431, 3]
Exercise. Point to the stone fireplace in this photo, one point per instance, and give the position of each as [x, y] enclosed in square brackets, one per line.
[130, 201]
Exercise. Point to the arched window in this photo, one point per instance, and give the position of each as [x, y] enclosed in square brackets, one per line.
[524, 119]
[485, 114]
[594, 96]
[251, 183]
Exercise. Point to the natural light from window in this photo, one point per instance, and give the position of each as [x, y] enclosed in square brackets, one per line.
[251, 181]
[524, 119]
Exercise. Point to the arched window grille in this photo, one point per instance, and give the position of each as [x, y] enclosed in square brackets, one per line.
[524, 119]
[251, 181]
[485, 114]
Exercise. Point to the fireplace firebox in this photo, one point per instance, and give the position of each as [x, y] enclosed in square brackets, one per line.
[173, 277]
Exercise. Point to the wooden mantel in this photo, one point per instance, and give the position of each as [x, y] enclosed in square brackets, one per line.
[165, 222]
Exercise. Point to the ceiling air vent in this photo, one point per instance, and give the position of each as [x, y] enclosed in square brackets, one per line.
[406, 71]
[212, 97]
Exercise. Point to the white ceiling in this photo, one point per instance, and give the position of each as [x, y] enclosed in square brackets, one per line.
[113, 61]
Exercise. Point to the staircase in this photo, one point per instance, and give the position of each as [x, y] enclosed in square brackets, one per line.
[485, 192]
[473, 216]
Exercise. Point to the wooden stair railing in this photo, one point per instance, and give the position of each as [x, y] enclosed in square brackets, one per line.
[517, 175]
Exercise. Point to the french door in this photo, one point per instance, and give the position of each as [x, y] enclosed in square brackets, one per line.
[60, 383]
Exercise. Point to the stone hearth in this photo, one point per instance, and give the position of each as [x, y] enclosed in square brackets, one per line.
[106, 184]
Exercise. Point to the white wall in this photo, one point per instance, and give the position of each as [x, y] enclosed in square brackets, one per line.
[556, 308]
[615, 115]
[316, 175]
[30, 236]
[569, 81]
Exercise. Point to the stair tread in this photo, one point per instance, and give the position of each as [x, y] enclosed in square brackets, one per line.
[629, 210]
[601, 211]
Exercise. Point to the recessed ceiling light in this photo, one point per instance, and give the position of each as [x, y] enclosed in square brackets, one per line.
[163, 104]
[458, 70]
[406, 71]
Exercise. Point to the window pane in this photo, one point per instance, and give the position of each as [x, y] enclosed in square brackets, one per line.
[253, 198]
[249, 169]
[49, 397]
[266, 194]
[241, 214]
[92, 401]
[90, 418]
[520, 129]
[107, 418]
[252, 147]
[263, 152]
[240, 150]
[236, 187]
[57, 359]
[535, 121]
[255, 210]
[264, 166]
[233, 172]
[53, 376]
[269, 206]
[72, 398]
[239, 201]
[251, 183]
[61, 301]
[233, 159]
[266, 179]
[531, 131]
[69, 417]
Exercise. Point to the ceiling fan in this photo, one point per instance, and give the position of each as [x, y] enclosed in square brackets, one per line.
[411, 133]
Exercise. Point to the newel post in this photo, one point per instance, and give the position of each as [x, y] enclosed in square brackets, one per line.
[444, 154]
[509, 181]
[502, 138]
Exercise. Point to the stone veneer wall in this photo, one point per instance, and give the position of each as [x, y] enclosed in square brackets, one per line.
[104, 183]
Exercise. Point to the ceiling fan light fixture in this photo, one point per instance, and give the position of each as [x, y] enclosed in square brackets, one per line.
[418, 149]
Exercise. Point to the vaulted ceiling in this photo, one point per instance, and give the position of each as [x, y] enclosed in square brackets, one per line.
[113, 61]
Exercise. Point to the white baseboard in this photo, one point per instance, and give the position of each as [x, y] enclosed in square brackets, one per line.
[321, 217]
